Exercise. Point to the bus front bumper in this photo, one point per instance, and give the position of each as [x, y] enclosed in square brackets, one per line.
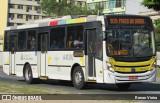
[149, 76]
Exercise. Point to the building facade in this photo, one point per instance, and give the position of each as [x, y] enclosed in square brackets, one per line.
[3, 15]
[80, 3]
[154, 15]
[139, 9]
[135, 7]
[1, 49]
[110, 6]
[18, 12]
[23, 11]
[1, 42]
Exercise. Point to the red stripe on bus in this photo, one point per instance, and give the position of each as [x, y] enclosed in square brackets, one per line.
[53, 23]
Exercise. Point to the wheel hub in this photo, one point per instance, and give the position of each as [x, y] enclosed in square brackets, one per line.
[78, 78]
[28, 74]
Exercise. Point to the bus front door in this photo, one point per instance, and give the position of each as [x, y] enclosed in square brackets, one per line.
[43, 54]
[91, 53]
[13, 48]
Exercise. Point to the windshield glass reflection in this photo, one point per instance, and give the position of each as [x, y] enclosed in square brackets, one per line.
[126, 42]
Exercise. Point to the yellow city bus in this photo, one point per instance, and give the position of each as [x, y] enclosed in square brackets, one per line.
[112, 49]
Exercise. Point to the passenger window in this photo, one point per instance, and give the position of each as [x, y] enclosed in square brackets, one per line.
[22, 40]
[31, 40]
[6, 42]
[57, 38]
[74, 37]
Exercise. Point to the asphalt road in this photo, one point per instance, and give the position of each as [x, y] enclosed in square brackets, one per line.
[144, 88]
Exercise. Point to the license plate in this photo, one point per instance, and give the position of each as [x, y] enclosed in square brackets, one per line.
[133, 77]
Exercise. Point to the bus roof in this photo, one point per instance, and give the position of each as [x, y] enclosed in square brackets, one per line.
[55, 22]
[67, 20]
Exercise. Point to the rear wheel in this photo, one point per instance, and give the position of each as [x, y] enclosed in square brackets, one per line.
[28, 75]
[123, 86]
[78, 78]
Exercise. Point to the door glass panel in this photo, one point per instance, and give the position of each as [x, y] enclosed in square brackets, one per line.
[13, 43]
[91, 51]
[44, 42]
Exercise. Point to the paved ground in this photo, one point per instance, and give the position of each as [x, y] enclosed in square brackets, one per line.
[145, 88]
[91, 88]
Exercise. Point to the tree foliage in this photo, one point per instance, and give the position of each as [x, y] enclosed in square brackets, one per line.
[157, 23]
[157, 33]
[155, 5]
[53, 8]
[157, 30]
[152, 4]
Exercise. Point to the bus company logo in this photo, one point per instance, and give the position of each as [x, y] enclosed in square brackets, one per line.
[133, 70]
[6, 97]
[26, 57]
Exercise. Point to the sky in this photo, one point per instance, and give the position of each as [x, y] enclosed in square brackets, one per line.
[134, 7]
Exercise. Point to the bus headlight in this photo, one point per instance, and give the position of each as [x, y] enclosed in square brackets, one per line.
[153, 66]
[109, 67]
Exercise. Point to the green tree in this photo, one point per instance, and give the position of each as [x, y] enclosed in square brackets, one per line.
[152, 4]
[97, 10]
[53, 8]
[157, 23]
[155, 5]
[157, 31]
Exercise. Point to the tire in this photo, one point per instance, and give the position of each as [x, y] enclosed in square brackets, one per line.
[123, 86]
[28, 75]
[78, 78]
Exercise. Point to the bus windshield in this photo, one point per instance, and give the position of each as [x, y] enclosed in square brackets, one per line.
[130, 42]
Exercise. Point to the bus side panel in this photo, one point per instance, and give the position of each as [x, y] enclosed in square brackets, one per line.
[108, 76]
[99, 70]
[51, 70]
[60, 64]
[58, 68]
[86, 69]
[38, 64]
[26, 57]
[6, 62]
[68, 59]
[35, 71]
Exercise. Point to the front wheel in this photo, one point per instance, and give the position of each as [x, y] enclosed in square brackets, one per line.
[123, 86]
[78, 78]
[28, 74]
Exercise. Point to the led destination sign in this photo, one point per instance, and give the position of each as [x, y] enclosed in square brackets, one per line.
[126, 21]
